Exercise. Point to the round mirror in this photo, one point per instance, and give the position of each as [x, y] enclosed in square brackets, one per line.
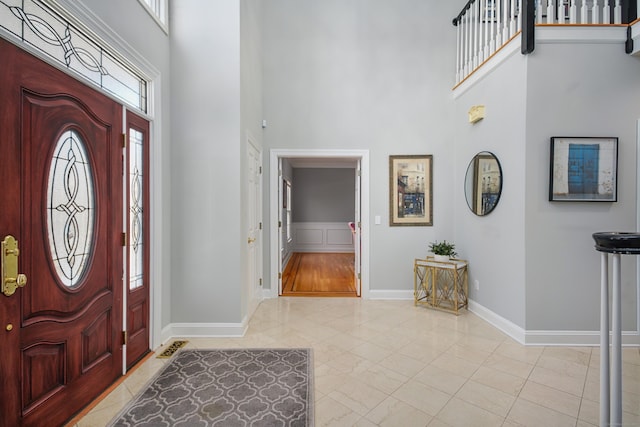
[483, 183]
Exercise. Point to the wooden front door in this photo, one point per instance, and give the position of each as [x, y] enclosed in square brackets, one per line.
[61, 173]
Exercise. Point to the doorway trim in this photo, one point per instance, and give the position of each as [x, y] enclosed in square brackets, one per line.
[275, 156]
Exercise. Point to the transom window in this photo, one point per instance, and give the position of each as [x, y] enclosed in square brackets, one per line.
[158, 10]
[57, 37]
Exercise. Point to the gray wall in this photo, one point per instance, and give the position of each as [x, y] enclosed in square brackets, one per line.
[535, 260]
[494, 244]
[323, 194]
[596, 94]
[206, 162]
[367, 74]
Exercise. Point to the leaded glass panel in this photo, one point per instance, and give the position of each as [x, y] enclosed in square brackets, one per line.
[34, 23]
[136, 195]
[70, 209]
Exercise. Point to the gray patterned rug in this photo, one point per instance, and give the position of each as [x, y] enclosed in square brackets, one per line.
[227, 388]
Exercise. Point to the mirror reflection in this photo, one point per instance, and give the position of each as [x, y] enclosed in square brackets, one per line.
[483, 183]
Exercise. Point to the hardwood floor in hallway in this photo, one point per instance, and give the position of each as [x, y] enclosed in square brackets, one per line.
[319, 274]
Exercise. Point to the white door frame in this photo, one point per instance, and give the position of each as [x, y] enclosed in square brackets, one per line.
[274, 191]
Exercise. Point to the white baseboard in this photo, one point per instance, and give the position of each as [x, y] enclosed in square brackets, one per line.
[547, 338]
[206, 330]
[390, 295]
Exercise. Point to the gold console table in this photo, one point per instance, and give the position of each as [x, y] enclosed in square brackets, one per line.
[442, 285]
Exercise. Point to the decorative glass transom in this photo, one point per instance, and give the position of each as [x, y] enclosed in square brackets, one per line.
[136, 241]
[35, 24]
[70, 208]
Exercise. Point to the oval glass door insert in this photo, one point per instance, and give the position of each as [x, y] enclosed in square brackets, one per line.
[70, 208]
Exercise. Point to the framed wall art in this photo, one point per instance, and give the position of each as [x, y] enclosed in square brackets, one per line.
[411, 190]
[583, 169]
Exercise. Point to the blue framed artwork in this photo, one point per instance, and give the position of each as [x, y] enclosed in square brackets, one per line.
[583, 169]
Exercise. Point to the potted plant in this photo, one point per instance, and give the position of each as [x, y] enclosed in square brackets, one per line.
[443, 251]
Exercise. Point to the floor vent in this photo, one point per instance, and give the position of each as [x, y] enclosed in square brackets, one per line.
[171, 349]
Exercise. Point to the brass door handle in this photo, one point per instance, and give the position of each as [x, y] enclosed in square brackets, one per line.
[250, 240]
[10, 279]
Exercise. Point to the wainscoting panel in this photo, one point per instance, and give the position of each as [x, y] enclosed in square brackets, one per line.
[322, 237]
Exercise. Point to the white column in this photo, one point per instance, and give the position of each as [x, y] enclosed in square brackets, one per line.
[604, 340]
[616, 345]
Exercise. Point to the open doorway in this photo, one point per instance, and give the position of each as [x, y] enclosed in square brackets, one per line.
[325, 252]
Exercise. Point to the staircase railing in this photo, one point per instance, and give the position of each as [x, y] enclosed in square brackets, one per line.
[484, 26]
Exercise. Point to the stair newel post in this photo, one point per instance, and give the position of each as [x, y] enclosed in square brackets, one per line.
[528, 27]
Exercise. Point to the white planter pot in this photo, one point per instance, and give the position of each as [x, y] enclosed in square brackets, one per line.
[441, 258]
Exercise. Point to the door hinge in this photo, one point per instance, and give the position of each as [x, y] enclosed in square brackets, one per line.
[260, 281]
[125, 336]
[124, 140]
[260, 226]
[279, 275]
[124, 239]
[359, 276]
[358, 172]
[260, 170]
[279, 224]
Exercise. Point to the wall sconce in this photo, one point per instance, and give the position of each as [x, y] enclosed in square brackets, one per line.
[476, 113]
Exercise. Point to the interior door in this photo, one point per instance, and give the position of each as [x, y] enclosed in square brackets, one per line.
[137, 286]
[357, 280]
[280, 226]
[254, 221]
[61, 169]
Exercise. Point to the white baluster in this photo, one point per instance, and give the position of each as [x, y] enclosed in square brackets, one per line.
[572, 12]
[550, 11]
[492, 26]
[458, 53]
[512, 18]
[539, 11]
[519, 18]
[474, 33]
[584, 13]
[505, 21]
[617, 13]
[487, 26]
[479, 44]
[595, 12]
[467, 43]
[606, 13]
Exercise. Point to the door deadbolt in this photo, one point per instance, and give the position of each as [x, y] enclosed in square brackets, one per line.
[10, 278]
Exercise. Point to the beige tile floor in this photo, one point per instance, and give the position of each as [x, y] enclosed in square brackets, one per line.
[388, 363]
